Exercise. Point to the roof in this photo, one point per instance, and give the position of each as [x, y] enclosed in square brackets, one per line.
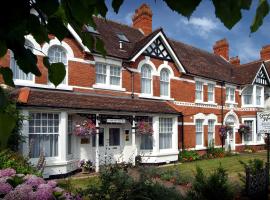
[74, 100]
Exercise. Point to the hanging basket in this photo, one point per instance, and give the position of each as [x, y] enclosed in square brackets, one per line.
[85, 128]
[243, 129]
[144, 128]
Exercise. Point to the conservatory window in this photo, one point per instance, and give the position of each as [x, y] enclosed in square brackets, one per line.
[165, 133]
[199, 90]
[211, 92]
[146, 79]
[164, 82]
[199, 132]
[43, 134]
[247, 95]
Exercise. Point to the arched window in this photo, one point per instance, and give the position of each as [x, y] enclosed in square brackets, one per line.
[58, 54]
[164, 82]
[146, 79]
[18, 74]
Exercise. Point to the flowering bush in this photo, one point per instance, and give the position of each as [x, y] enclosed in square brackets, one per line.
[187, 156]
[243, 129]
[144, 127]
[30, 187]
[86, 164]
[85, 128]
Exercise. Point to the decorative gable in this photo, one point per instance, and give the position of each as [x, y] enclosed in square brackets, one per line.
[262, 78]
[157, 49]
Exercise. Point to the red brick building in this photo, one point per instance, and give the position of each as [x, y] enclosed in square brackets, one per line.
[183, 92]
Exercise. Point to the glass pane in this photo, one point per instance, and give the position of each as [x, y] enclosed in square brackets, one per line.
[114, 136]
[198, 138]
[147, 142]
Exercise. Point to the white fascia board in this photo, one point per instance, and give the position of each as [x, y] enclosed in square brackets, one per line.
[77, 38]
[262, 66]
[160, 34]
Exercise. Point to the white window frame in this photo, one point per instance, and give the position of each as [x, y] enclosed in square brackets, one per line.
[213, 92]
[171, 133]
[168, 82]
[200, 145]
[243, 97]
[202, 96]
[214, 128]
[230, 88]
[107, 84]
[254, 136]
[151, 79]
[254, 97]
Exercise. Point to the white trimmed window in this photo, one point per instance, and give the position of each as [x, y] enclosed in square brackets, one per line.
[249, 136]
[247, 95]
[259, 95]
[58, 54]
[230, 94]
[43, 134]
[164, 83]
[210, 92]
[18, 74]
[165, 133]
[211, 130]
[146, 142]
[146, 79]
[109, 75]
[199, 132]
[199, 91]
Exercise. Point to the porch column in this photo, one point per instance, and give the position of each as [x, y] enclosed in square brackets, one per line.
[155, 134]
[133, 131]
[97, 143]
[63, 135]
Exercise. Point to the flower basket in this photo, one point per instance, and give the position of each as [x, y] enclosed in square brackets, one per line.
[85, 128]
[244, 129]
[144, 128]
[86, 166]
[224, 130]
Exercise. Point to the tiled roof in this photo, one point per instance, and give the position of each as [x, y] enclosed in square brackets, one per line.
[74, 100]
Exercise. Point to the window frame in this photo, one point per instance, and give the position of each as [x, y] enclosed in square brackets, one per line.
[211, 92]
[148, 78]
[213, 131]
[166, 82]
[168, 131]
[197, 90]
[202, 133]
[228, 96]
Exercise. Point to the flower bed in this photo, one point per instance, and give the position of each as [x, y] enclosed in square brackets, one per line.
[30, 187]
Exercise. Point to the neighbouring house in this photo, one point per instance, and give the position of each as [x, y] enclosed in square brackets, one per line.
[150, 96]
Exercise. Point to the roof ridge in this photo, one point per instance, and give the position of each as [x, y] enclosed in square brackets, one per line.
[253, 62]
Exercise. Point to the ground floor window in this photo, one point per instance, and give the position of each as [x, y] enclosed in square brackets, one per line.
[100, 138]
[248, 137]
[43, 134]
[211, 130]
[199, 132]
[114, 136]
[70, 132]
[165, 133]
[146, 142]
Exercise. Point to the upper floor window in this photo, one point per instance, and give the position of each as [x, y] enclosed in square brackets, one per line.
[18, 74]
[146, 79]
[258, 95]
[199, 91]
[164, 82]
[108, 74]
[247, 95]
[230, 94]
[211, 92]
[58, 54]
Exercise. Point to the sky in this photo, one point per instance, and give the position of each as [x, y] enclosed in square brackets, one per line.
[203, 29]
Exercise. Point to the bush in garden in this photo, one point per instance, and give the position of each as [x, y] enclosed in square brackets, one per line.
[212, 187]
[10, 159]
[30, 187]
[191, 155]
[254, 167]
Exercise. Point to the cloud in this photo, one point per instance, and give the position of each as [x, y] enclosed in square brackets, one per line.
[128, 18]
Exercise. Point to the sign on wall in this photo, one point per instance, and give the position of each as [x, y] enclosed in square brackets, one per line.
[263, 122]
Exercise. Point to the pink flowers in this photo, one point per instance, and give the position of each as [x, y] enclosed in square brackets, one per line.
[34, 181]
[7, 172]
[85, 128]
[144, 128]
[5, 188]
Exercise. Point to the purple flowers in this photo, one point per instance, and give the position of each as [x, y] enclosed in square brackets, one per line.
[7, 172]
[5, 188]
[34, 181]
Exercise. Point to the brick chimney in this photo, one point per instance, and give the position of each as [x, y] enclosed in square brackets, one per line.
[235, 61]
[265, 52]
[142, 19]
[221, 48]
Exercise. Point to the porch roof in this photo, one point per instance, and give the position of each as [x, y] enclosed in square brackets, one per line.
[76, 100]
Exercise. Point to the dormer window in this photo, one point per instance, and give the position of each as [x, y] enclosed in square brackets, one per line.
[122, 37]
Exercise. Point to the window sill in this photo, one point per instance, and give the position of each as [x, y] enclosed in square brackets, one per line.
[108, 87]
[36, 85]
[252, 106]
[149, 96]
[231, 102]
[205, 103]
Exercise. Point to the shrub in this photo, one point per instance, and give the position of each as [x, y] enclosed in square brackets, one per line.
[10, 159]
[215, 186]
[191, 155]
[254, 166]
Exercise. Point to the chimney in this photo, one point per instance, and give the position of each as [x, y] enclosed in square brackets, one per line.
[235, 61]
[221, 48]
[142, 19]
[265, 52]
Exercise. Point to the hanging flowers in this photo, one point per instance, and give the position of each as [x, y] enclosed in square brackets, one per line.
[224, 130]
[244, 129]
[85, 128]
[144, 128]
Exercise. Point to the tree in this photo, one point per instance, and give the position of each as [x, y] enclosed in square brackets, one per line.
[40, 18]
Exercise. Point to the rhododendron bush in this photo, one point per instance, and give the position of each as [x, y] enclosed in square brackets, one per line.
[30, 187]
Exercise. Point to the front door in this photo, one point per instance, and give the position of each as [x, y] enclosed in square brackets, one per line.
[230, 139]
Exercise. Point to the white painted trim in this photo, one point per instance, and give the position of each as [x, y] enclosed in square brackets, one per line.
[37, 47]
[183, 79]
[50, 86]
[108, 87]
[160, 34]
[56, 42]
[147, 61]
[231, 112]
[77, 38]
[110, 61]
[165, 65]
[262, 66]
[92, 62]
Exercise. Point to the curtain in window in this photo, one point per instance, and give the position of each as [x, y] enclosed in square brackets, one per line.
[164, 82]
[58, 54]
[43, 134]
[199, 132]
[115, 75]
[165, 133]
[258, 95]
[249, 136]
[211, 130]
[247, 95]
[146, 142]
[146, 79]
[100, 73]
[210, 92]
[199, 90]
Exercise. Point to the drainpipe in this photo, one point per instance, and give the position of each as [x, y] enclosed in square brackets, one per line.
[182, 130]
[222, 110]
[132, 81]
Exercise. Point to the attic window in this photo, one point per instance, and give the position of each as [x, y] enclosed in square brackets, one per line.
[90, 29]
[122, 37]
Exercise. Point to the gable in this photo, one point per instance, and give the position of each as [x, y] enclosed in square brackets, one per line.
[158, 50]
[262, 77]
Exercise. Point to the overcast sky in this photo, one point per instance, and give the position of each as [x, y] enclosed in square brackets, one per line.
[203, 28]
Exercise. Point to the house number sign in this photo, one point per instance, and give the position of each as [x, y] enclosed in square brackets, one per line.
[116, 121]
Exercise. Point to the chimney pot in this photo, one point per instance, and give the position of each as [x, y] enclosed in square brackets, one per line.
[142, 19]
[235, 61]
[265, 52]
[221, 48]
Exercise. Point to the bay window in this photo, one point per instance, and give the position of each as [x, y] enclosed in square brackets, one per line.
[247, 95]
[199, 91]
[146, 142]
[211, 92]
[249, 136]
[146, 79]
[43, 134]
[211, 131]
[164, 82]
[109, 75]
[70, 132]
[165, 133]
[230, 94]
[199, 132]
[258, 95]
